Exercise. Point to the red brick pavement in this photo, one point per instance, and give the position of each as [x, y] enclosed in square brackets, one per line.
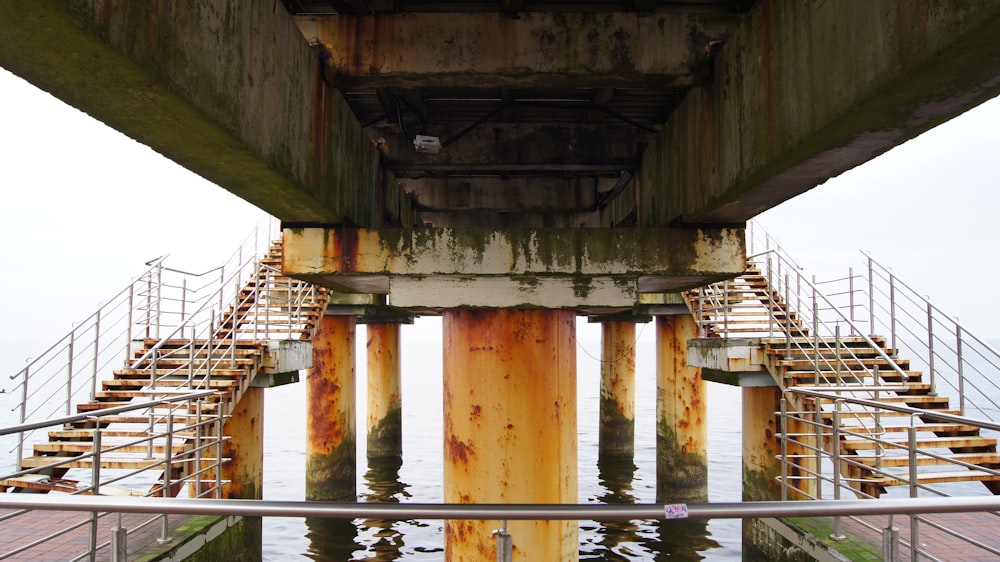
[981, 527]
[69, 533]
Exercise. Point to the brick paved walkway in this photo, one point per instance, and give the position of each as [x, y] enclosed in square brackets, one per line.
[939, 544]
[17, 531]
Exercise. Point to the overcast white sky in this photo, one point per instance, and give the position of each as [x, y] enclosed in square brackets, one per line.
[84, 207]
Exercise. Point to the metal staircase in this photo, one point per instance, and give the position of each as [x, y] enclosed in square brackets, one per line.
[856, 415]
[163, 411]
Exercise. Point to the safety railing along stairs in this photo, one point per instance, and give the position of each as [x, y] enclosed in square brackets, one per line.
[856, 416]
[164, 410]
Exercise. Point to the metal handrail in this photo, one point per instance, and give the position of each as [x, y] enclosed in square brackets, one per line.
[814, 454]
[496, 512]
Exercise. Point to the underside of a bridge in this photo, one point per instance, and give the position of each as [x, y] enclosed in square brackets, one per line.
[511, 163]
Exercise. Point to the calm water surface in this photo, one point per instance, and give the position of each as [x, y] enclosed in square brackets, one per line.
[419, 478]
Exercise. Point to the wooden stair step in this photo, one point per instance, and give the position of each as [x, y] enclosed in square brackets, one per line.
[52, 448]
[88, 434]
[923, 427]
[138, 374]
[955, 442]
[129, 463]
[936, 478]
[895, 461]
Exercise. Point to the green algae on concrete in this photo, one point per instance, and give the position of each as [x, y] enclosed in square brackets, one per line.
[680, 475]
[208, 538]
[385, 438]
[332, 476]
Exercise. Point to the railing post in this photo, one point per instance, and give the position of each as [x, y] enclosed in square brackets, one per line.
[218, 450]
[23, 414]
[725, 307]
[879, 448]
[197, 448]
[871, 299]
[815, 327]
[167, 476]
[788, 322]
[119, 541]
[159, 296]
[699, 305]
[194, 334]
[770, 298]
[95, 487]
[69, 372]
[838, 360]
[184, 284]
[290, 303]
[850, 292]
[97, 352]
[930, 346]
[505, 544]
[818, 425]
[128, 323]
[890, 542]
[961, 369]
[784, 449]
[892, 309]
[837, 534]
[914, 490]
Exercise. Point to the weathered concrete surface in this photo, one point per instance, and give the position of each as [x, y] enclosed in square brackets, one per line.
[385, 401]
[804, 91]
[732, 361]
[533, 50]
[646, 260]
[510, 429]
[245, 446]
[616, 434]
[681, 415]
[331, 437]
[229, 90]
[760, 444]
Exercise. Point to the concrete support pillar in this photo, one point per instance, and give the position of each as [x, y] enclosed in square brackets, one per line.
[616, 437]
[245, 446]
[510, 431]
[331, 460]
[681, 420]
[760, 444]
[802, 448]
[385, 407]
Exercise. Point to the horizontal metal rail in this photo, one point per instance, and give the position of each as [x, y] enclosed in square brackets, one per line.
[523, 512]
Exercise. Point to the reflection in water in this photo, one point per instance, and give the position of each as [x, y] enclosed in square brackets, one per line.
[620, 541]
[331, 539]
[382, 481]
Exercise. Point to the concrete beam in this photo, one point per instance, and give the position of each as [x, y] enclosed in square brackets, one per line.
[228, 89]
[497, 145]
[519, 267]
[804, 91]
[534, 50]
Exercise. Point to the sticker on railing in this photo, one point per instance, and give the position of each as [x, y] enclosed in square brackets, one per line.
[676, 511]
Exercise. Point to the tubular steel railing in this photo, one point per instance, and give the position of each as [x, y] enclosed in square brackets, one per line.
[190, 459]
[814, 466]
[185, 332]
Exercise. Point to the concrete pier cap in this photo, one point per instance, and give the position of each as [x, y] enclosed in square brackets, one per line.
[569, 268]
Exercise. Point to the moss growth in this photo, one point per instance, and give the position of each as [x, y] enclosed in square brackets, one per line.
[680, 475]
[332, 476]
[386, 437]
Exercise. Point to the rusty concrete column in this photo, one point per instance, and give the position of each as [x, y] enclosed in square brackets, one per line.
[510, 426]
[245, 446]
[681, 417]
[331, 467]
[385, 407]
[760, 444]
[616, 436]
